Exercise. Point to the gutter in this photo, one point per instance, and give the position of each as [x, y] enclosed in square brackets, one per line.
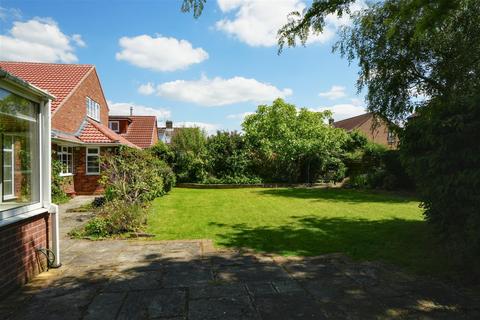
[18, 81]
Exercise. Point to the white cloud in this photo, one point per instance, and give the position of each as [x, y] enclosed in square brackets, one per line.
[256, 23]
[335, 92]
[10, 13]
[159, 53]
[40, 40]
[239, 116]
[219, 91]
[343, 111]
[123, 109]
[146, 89]
[78, 40]
[210, 128]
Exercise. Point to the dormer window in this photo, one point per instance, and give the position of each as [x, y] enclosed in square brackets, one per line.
[114, 126]
[93, 109]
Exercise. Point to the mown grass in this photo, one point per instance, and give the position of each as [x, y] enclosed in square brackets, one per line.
[361, 224]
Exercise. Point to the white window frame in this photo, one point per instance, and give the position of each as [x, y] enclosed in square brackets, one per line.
[11, 149]
[111, 122]
[93, 109]
[43, 164]
[88, 154]
[66, 151]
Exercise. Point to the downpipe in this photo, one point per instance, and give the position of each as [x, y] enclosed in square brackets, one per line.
[54, 211]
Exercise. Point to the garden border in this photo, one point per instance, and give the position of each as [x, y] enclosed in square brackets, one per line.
[258, 185]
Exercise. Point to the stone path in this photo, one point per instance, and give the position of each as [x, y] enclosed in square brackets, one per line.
[191, 280]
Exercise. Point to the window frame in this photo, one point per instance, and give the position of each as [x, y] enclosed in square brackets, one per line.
[88, 154]
[93, 109]
[68, 153]
[11, 150]
[44, 153]
[114, 122]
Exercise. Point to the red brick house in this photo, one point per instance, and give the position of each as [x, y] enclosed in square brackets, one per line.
[79, 117]
[28, 220]
[375, 129]
[139, 130]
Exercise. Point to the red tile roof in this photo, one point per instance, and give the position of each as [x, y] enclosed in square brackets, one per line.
[141, 129]
[352, 123]
[94, 132]
[59, 80]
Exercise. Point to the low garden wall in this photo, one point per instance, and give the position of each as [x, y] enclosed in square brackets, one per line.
[258, 185]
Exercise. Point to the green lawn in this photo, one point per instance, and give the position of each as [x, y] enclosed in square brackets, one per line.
[364, 225]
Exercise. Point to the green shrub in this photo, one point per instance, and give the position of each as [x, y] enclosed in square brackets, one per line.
[135, 176]
[96, 227]
[58, 195]
[189, 147]
[228, 156]
[441, 149]
[116, 217]
[233, 180]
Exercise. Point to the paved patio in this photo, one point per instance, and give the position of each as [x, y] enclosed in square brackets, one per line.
[122, 279]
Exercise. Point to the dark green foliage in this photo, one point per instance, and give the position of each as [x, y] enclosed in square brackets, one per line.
[441, 147]
[162, 151]
[228, 158]
[191, 160]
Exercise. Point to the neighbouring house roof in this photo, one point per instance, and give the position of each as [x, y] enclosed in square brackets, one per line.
[60, 80]
[354, 122]
[93, 132]
[141, 129]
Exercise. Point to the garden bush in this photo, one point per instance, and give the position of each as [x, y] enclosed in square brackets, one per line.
[135, 176]
[131, 178]
[228, 157]
[441, 149]
[190, 152]
[58, 195]
[116, 217]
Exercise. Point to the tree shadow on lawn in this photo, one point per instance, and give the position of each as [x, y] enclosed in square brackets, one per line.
[407, 243]
[339, 195]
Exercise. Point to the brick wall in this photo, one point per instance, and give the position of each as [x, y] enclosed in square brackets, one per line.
[19, 260]
[376, 132]
[85, 184]
[70, 115]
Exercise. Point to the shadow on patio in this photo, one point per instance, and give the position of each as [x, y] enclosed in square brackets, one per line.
[157, 280]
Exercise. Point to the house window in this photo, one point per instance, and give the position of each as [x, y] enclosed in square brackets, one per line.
[93, 109]
[19, 153]
[65, 156]
[114, 126]
[93, 161]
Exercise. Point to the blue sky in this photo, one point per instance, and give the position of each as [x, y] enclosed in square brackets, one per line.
[211, 71]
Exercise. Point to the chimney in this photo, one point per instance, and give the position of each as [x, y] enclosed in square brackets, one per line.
[131, 111]
[169, 124]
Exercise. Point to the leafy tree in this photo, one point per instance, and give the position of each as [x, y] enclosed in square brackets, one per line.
[228, 155]
[421, 56]
[189, 147]
[291, 145]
